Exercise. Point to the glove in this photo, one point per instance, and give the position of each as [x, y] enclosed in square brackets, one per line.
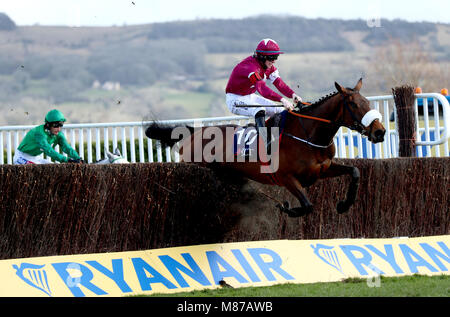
[75, 161]
[288, 105]
[296, 98]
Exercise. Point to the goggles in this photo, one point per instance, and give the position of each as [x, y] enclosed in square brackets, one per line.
[56, 124]
[272, 58]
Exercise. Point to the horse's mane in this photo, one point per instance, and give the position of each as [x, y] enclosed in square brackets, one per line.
[322, 100]
[276, 118]
[325, 98]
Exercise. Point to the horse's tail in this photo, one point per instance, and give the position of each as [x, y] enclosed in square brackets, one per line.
[163, 133]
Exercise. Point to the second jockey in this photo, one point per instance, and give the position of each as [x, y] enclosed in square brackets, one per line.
[249, 77]
[43, 139]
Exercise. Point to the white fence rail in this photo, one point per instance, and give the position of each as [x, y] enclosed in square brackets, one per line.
[91, 140]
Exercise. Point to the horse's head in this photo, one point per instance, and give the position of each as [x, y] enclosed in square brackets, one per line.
[357, 114]
[116, 157]
[113, 158]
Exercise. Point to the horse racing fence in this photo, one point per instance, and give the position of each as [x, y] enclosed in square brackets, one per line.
[92, 139]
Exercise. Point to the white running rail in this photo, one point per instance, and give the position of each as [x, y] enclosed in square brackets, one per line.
[91, 139]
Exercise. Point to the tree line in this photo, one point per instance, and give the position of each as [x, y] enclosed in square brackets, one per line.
[297, 34]
[178, 49]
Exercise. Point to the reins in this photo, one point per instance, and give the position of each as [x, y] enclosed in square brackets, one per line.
[346, 107]
[309, 117]
[290, 111]
[300, 104]
[357, 126]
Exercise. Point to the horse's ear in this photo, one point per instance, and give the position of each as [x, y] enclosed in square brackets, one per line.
[117, 152]
[358, 85]
[109, 154]
[340, 89]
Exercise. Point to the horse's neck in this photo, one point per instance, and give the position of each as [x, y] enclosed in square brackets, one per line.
[317, 132]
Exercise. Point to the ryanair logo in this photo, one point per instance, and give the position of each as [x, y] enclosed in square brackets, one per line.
[34, 275]
[327, 255]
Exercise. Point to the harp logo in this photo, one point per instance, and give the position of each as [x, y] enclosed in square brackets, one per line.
[34, 275]
[327, 255]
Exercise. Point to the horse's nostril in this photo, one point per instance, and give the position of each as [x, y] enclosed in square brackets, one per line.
[379, 134]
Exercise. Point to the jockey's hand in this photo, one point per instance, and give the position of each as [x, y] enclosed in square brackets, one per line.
[296, 98]
[287, 104]
[75, 161]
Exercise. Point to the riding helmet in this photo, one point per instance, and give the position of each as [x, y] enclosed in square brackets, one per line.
[268, 47]
[54, 116]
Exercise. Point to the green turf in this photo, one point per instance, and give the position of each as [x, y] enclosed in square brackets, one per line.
[407, 286]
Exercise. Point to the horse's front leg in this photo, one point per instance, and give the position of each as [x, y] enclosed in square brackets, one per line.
[294, 186]
[336, 170]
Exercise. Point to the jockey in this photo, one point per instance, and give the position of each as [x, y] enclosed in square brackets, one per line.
[249, 77]
[43, 139]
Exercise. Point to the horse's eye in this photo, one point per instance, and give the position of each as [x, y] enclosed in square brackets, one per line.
[353, 104]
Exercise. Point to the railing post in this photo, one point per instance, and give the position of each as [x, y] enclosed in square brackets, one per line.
[8, 148]
[89, 145]
[141, 145]
[97, 144]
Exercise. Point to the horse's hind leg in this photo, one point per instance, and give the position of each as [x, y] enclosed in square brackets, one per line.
[294, 186]
[336, 170]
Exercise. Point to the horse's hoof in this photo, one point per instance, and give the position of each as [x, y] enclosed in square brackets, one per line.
[284, 207]
[342, 207]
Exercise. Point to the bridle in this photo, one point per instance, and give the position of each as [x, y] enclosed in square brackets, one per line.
[357, 125]
[347, 106]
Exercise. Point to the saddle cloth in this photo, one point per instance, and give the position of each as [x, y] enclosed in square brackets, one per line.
[245, 138]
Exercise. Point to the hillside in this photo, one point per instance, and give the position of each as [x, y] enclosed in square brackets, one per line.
[6, 23]
[180, 69]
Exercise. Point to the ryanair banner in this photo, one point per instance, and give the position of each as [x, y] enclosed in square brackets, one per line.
[244, 264]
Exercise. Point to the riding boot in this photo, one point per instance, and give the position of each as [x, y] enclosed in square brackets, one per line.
[261, 128]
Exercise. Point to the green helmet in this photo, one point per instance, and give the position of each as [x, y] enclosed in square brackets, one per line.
[54, 116]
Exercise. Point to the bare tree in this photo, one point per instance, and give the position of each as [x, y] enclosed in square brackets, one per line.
[399, 63]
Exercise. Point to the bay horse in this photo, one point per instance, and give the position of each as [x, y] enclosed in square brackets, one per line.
[306, 149]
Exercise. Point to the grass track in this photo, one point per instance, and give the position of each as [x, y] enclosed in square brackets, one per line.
[407, 286]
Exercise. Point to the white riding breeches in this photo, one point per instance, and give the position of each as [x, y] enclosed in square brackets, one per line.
[24, 158]
[235, 101]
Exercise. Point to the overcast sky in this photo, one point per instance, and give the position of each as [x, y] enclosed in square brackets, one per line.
[130, 12]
